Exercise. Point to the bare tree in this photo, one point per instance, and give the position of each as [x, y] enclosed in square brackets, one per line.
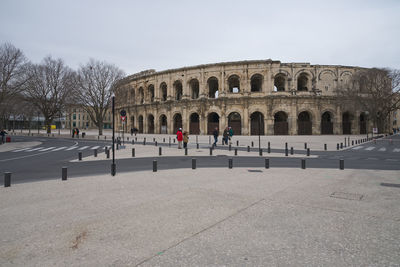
[96, 82]
[50, 87]
[13, 76]
[374, 92]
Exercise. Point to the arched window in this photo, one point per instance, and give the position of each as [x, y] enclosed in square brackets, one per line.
[140, 124]
[141, 95]
[177, 122]
[163, 124]
[346, 123]
[132, 93]
[326, 123]
[281, 126]
[212, 87]
[194, 88]
[178, 90]
[150, 124]
[194, 124]
[256, 83]
[151, 92]
[304, 124]
[234, 84]
[235, 121]
[279, 83]
[163, 91]
[257, 123]
[213, 122]
[303, 82]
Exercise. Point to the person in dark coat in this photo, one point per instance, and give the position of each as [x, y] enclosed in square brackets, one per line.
[2, 134]
[215, 134]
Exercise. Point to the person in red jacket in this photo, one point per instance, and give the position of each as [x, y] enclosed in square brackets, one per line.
[179, 137]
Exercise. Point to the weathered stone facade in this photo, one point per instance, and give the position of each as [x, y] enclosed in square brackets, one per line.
[251, 96]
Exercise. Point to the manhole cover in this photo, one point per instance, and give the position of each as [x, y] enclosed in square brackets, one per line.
[390, 185]
[349, 196]
[254, 170]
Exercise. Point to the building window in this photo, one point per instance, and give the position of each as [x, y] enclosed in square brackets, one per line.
[74, 116]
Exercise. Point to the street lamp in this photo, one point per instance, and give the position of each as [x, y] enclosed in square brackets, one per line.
[113, 167]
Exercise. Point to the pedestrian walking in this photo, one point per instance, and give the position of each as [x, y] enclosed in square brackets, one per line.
[185, 139]
[215, 134]
[225, 136]
[230, 135]
[2, 134]
[73, 132]
[179, 137]
[131, 131]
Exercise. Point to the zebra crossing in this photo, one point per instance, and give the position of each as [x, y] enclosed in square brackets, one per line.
[55, 149]
[374, 148]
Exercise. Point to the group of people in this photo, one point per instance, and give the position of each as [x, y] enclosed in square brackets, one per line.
[182, 137]
[226, 136]
[75, 131]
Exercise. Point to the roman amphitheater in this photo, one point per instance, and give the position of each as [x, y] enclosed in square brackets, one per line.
[260, 96]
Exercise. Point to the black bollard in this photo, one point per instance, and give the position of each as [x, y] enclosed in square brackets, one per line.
[133, 152]
[325, 147]
[266, 163]
[237, 142]
[248, 148]
[80, 156]
[230, 163]
[186, 151]
[197, 145]
[303, 163]
[108, 153]
[154, 139]
[174, 140]
[135, 138]
[305, 145]
[341, 164]
[286, 145]
[269, 147]
[286, 152]
[345, 142]
[348, 141]
[341, 145]
[337, 146]
[261, 152]
[154, 165]
[209, 140]
[193, 164]
[117, 146]
[169, 142]
[155, 143]
[211, 151]
[113, 169]
[252, 144]
[229, 147]
[64, 173]
[159, 151]
[308, 152]
[291, 151]
[144, 141]
[235, 151]
[352, 142]
[163, 140]
[95, 153]
[7, 179]
[127, 139]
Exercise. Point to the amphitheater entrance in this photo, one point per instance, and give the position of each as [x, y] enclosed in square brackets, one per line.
[304, 124]
[235, 121]
[177, 122]
[140, 124]
[346, 123]
[257, 123]
[326, 123]
[281, 126]
[150, 124]
[194, 124]
[363, 123]
[212, 122]
[163, 124]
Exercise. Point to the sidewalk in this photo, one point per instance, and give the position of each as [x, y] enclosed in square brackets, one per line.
[203, 217]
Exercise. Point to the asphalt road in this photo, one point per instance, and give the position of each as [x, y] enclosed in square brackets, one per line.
[46, 161]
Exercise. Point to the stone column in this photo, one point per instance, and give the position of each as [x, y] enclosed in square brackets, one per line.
[245, 126]
[269, 124]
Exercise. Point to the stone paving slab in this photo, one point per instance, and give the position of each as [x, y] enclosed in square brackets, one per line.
[202, 217]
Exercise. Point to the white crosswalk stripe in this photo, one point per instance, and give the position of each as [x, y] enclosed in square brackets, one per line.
[59, 148]
[95, 147]
[382, 149]
[357, 147]
[370, 148]
[34, 149]
[23, 149]
[396, 150]
[46, 149]
[71, 148]
[83, 148]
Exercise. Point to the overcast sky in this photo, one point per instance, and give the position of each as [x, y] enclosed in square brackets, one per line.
[140, 35]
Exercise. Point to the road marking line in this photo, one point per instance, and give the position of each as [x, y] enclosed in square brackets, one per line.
[357, 147]
[45, 149]
[391, 159]
[59, 148]
[95, 147]
[19, 150]
[396, 150]
[382, 149]
[370, 148]
[72, 147]
[33, 149]
[84, 147]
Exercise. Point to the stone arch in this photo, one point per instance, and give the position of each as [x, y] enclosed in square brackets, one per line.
[141, 95]
[304, 82]
[194, 88]
[257, 123]
[163, 124]
[280, 81]
[213, 89]
[346, 122]
[140, 122]
[234, 83]
[256, 82]
[163, 91]
[194, 123]
[235, 121]
[132, 95]
[150, 124]
[327, 80]
[212, 122]
[150, 90]
[178, 90]
[304, 71]
[177, 118]
[304, 123]
[327, 71]
[281, 125]
[327, 123]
